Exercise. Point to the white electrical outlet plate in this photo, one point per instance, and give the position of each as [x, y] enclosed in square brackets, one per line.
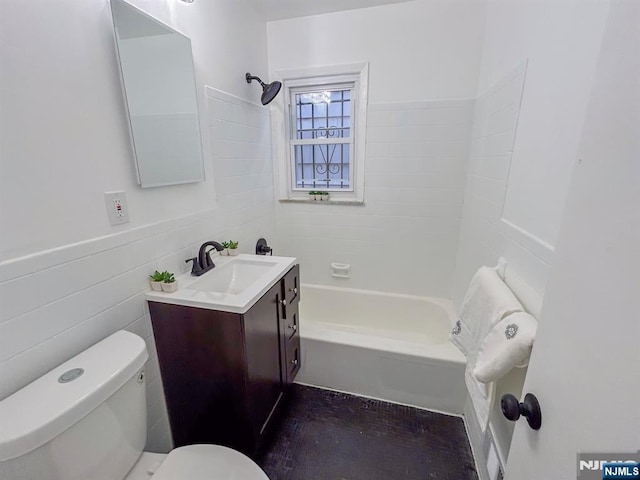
[117, 208]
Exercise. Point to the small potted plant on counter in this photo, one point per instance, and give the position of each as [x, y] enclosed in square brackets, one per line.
[225, 245]
[169, 284]
[156, 281]
[233, 248]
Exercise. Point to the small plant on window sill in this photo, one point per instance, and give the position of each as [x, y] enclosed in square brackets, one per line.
[225, 245]
[319, 196]
[233, 248]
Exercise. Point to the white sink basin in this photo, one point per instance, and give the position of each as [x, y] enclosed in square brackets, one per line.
[234, 285]
[234, 277]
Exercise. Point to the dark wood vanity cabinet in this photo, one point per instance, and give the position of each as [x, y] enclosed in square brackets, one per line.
[225, 374]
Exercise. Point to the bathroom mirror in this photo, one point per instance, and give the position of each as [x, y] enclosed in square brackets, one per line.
[159, 87]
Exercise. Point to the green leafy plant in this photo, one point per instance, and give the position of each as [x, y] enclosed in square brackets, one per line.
[168, 277]
[313, 192]
[157, 276]
[233, 245]
[225, 244]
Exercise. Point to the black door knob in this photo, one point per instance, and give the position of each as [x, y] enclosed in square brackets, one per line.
[529, 408]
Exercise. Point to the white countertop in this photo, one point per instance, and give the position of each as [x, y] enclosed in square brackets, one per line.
[188, 294]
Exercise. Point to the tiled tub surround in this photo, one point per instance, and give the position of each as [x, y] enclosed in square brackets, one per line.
[416, 160]
[485, 235]
[57, 303]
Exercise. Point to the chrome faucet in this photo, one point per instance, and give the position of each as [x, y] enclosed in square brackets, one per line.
[203, 263]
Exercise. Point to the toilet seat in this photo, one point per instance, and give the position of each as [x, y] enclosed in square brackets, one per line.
[208, 462]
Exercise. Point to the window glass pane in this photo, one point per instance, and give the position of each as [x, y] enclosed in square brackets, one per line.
[306, 110]
[335, 109]
[306, 132]
[319, 110]
[323, 114]
[322, 166]
[337, 95]
[320, 126]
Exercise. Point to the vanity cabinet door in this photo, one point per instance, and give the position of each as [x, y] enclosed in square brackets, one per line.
[203, 372]
[264, 384]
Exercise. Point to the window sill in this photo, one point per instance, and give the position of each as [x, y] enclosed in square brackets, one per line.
[318, 202]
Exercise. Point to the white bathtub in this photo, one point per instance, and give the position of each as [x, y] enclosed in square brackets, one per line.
[387, 346]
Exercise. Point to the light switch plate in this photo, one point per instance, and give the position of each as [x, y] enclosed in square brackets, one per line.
[117, 208]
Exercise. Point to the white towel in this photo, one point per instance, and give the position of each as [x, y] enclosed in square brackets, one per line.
[487, 301]
[507, 345]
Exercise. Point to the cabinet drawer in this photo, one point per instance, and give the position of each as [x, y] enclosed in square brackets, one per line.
[291, 286]
[293, 357]
[290, 321]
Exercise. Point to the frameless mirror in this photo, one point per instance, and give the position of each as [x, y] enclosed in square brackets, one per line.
[159, 87]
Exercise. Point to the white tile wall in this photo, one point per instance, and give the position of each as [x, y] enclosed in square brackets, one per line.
[484, 234]
[404, 238]
[57, 303]
[241, 149]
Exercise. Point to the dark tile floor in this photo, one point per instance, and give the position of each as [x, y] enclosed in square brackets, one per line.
[326, 435]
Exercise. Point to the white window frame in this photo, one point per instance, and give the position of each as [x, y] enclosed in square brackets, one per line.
[283, 130]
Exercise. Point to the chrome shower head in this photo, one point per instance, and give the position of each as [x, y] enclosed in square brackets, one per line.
[269, 91]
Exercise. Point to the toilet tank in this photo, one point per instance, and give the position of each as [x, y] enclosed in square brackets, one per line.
[84, 420]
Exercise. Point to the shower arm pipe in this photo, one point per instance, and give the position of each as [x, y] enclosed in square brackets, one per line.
[250, 77]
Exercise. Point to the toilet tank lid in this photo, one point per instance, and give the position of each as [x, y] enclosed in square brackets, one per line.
[46, 407]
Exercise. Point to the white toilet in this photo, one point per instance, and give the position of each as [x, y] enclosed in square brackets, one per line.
[86, 420]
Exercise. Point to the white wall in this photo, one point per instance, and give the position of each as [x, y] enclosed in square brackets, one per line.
[420, 50]
[64, 131]
[68, 279]
[403, 239]
[525, 136]
[560, 39]
[594, 282]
